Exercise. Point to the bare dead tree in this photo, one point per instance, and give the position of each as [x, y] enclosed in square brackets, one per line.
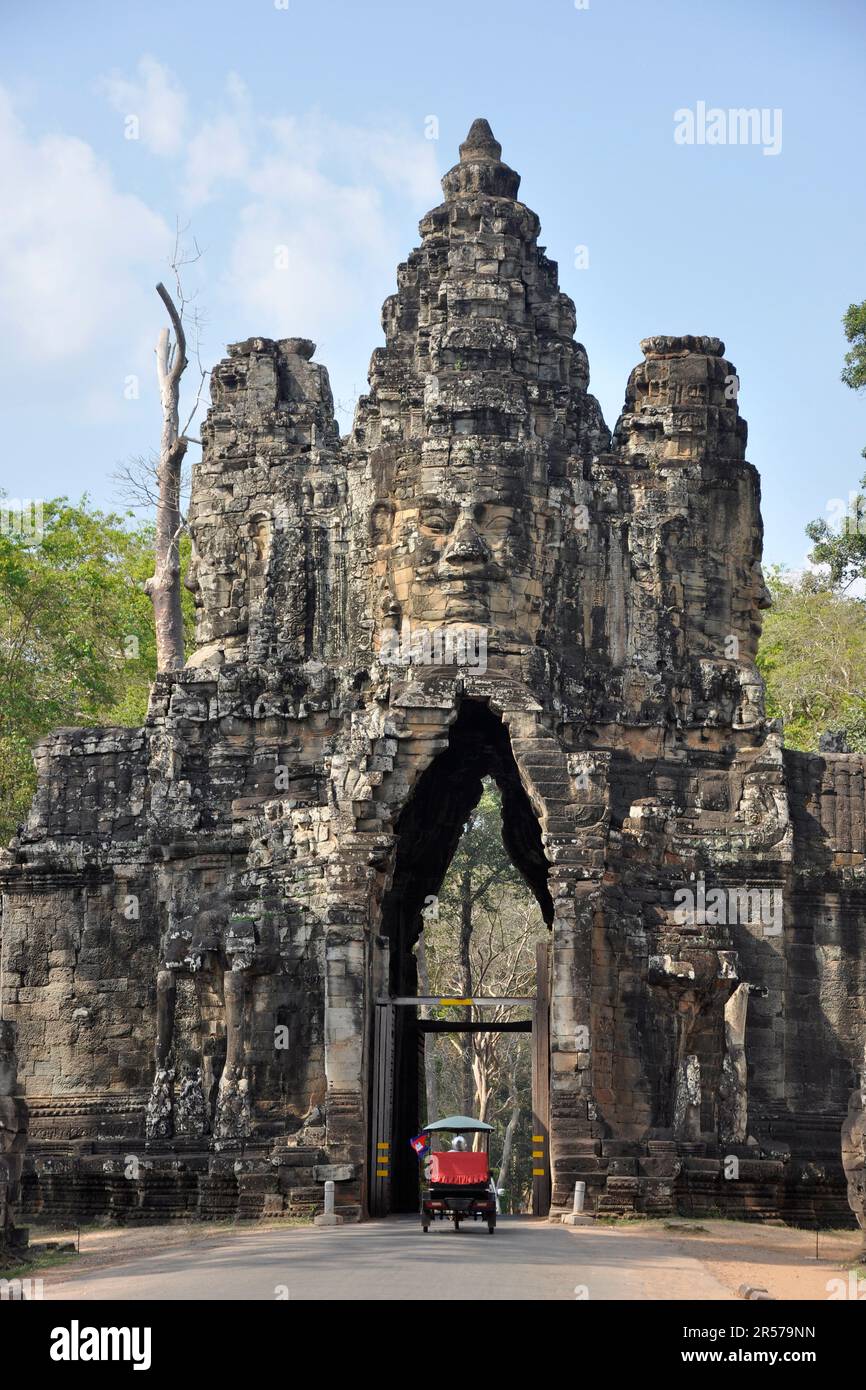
[137, 480]
[431, 1080]
[486, 939]
[163, 587]
[513, 1119]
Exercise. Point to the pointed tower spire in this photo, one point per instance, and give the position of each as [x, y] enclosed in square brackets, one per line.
[480, 144]
[481, 169]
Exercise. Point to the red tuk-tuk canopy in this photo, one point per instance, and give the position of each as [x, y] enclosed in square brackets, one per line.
[461, 1169]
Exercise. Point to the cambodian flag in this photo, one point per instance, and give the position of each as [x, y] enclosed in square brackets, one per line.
[419, 1144]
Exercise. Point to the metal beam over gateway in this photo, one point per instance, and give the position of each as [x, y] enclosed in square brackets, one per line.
[435, 1001]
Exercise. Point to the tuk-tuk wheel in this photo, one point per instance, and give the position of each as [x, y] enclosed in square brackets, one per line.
[491, 1227]
[425, 1229]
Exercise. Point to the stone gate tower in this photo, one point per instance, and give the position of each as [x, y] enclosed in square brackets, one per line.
[479, 580]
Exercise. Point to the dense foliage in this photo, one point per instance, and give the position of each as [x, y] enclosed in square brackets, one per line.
[813, 659]
[813, 650]
[77, 644]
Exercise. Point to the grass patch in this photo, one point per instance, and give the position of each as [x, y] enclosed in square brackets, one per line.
[46, 1259]
[627, 1219]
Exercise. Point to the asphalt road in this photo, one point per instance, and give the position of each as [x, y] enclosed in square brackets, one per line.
[393, 1260]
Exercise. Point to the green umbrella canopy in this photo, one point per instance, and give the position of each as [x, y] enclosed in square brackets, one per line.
[459, 1123]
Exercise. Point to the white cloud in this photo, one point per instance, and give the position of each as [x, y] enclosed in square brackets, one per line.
[309, 205]
[386, 157]
[317, 222]
[217, 152]
[221, 150]
[156, 101]
[298, 261]
[406, 163]
[77, 255]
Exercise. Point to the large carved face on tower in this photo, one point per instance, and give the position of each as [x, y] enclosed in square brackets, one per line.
[462, 547]
[226, 575]
[213, 577]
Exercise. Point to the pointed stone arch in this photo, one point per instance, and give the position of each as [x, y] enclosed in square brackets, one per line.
[553, 832]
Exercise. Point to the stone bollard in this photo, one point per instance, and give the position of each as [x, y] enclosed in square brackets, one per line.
[577, 1217]
[328, 1217]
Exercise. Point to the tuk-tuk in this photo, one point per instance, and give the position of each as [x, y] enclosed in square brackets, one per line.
[458, 1186]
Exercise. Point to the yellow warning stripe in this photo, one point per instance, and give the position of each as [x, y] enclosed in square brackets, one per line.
[444, 1002]
[538, 1172]
[538, 1138]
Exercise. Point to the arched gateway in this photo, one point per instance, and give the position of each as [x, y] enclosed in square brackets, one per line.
[200, 916]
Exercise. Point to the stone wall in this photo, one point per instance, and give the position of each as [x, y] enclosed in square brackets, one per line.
[854, 1150]
[13, 1143]
[479, 580]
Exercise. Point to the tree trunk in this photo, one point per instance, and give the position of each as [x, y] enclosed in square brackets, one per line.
[466, 984]
[164, 586]
[510, 1130]
[431, 1081]
[483, 1087]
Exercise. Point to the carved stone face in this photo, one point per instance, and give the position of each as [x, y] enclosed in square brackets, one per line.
[762, 596]
[464, 553]
[226, 575]
[212, 578]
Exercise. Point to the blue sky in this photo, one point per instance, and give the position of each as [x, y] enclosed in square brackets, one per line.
[305, 128]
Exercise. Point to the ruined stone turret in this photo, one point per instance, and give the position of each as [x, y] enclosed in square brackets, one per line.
[204, 919]
[265, 492]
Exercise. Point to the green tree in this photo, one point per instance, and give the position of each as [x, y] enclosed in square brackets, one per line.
[854, 323]
[813, 659]
[844, 551]
[77, 645]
